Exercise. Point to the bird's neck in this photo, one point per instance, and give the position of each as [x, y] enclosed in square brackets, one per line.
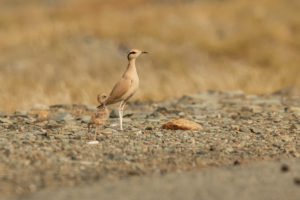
[131, 67]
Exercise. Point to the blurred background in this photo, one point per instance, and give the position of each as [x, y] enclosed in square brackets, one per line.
[66, 51]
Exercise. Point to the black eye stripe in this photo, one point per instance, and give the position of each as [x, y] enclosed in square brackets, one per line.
[132, 52]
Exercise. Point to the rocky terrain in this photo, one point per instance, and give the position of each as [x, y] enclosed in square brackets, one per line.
[48, 148]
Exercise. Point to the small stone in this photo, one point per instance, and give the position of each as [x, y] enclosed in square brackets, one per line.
[20, 113]
[138, 133]
[212, 148]
[159, 134]
[62, 116]
[156, 115]
[51, 123]
[255, 130]
[236, 162]
[181, 114]
[285, 168]
[235, 127]
[91, 107]
[93, 142]
[277, 119]
[84, 118]
[297, 181]
[243, 129]
[58, 106]
[148, 128]
[114, 113]
[229, 150]
[234, 116]
[41, 115]
[162, 110]
[181, 124]
[5, 120]
[246, 109]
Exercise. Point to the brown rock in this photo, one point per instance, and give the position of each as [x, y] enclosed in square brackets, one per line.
[181, 124]
[41, 115]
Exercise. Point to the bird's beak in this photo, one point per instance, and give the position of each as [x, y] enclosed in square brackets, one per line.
[144, 51]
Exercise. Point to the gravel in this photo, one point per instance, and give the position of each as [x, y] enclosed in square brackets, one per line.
[237, 129]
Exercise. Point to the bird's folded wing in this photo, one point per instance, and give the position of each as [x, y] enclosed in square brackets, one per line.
[119, 90]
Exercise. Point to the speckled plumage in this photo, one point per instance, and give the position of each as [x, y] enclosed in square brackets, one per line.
[100, 116]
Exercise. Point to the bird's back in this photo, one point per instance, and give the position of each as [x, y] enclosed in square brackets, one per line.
[128, 84]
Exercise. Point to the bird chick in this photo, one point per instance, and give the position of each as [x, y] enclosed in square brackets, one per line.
[100, 116]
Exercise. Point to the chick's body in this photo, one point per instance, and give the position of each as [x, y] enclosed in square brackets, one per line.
[100, 116]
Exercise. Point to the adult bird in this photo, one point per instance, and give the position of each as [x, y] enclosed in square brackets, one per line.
[127, 85]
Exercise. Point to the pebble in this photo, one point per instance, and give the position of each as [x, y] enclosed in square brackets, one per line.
[182, 124]
[93, 142]
[91, 107]
[62, 116]
[297, 181]
[84, 118]
[285, 168]
[21, 113]
[5, 120]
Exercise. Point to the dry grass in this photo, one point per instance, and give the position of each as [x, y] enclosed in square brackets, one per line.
[67, 51]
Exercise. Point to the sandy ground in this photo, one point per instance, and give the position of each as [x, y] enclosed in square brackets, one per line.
[267, 180]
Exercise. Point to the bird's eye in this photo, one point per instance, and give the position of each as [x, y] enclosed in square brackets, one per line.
[132, 52]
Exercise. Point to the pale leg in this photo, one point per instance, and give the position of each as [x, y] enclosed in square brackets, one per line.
[89, 131]
[122, 110]
[95, 135]
[121, 116]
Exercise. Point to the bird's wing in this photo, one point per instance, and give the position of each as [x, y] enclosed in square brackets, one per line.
[119, 90]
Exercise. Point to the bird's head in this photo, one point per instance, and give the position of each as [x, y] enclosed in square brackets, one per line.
[101, 98]
[134, 53]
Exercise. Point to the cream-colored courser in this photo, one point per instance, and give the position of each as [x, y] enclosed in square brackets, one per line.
[127, 86]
